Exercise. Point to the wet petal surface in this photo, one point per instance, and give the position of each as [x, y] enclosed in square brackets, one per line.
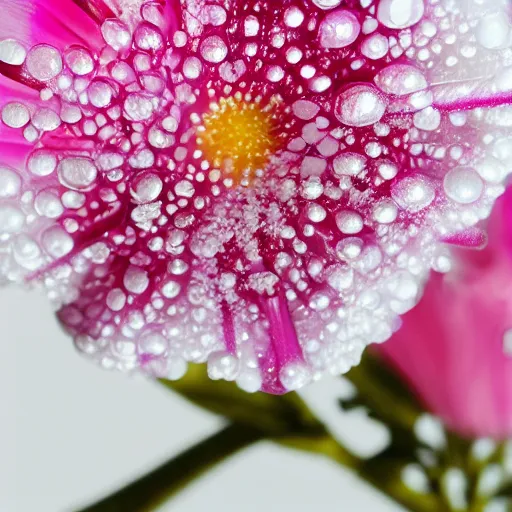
[256, 186]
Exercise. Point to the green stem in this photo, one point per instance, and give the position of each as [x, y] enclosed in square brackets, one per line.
[149, 491]
[384, 476]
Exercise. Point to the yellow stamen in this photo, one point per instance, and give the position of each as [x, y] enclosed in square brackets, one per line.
[237, 136]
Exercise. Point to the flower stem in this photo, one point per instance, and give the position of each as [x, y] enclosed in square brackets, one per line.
[384, 476]
[149, 491]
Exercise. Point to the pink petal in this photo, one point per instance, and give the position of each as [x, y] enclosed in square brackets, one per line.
[55, 22]
[452, 348]
[152, 247]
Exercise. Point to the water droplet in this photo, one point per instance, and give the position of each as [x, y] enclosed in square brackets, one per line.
[77, 173]
[136, 280]
[48, 204]
[79, 61]
[349, 223]
[10, 183]
[100, 94]
[413, 193]
[400, 79]
[385, 212]
[493, 30]
[295, 375]
[349, 164]
[138, 107]
[214, 49]
[11, 219]
[339, 29]
[116, 34]
[116, 299]
[222, 365]
[42, 163]
[153, 344]
[398, 14]
[12, 52]
[327, 4]
[57, 242]
[171, 289]
[428, 119]
[15, 115]
[360, 105]
[375, 46]
[463, 184]
[44, 62]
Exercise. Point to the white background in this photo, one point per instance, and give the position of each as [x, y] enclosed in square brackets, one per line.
[71, 432]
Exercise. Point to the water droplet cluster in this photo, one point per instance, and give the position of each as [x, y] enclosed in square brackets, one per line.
[167, 233]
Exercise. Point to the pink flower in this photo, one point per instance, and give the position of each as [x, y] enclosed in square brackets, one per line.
[257, 185]
[455, 348]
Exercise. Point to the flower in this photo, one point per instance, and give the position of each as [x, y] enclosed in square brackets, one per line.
[260, 186]
[455, 347]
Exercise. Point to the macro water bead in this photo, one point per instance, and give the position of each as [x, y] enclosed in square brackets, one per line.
[260, 186]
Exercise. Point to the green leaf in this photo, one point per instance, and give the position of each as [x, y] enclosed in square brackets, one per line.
[506, 491]
[276, 415]
[382, 393]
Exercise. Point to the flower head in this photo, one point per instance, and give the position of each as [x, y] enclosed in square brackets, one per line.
[259, 185]
[455, 347]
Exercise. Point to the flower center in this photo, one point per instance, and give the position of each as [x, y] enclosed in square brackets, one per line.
[237, 135]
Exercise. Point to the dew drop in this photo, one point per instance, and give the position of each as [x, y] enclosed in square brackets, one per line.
[15, 115]
[385, 212]
[79, 61]
[10, 183]
[57, 242]
[11, 219]
[42, 163]
[47, 204]
[136, 280]
[192, 67]
[12, 52]
[349, 223]
[77, 173]
[214, 49]
[46, 120]
[493, 30]
[327, 4]
[171, 289]
[428, 119]
[116, 34]
[349, 164]
[295, 375]
[100, 94]
[359, 105]
[400, 79]
[413, 193]
[138, 107]
[463, 184]
[43, 62]
[147, 188]
[293, 17]
[375, 46]
[222, 365]
[116, 299]
[339, 29]
[398, 14]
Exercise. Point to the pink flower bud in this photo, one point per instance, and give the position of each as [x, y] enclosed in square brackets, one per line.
[455, 347]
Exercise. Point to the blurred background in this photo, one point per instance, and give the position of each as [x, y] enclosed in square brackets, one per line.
[71, 432]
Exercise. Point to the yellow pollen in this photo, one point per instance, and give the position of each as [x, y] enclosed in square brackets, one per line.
[237, 136]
